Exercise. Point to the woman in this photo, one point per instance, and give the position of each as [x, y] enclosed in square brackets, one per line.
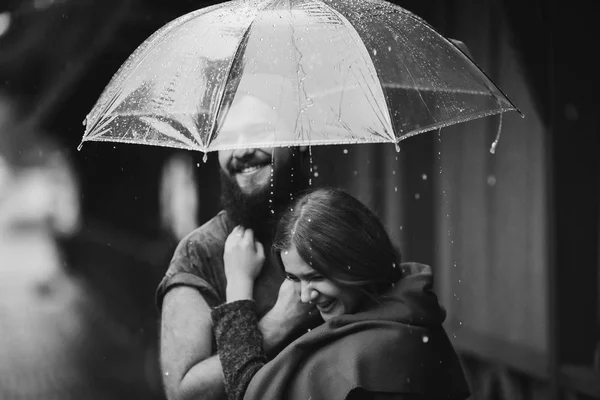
[382, 336]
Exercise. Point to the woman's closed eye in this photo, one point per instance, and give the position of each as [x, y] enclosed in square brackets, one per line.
[312, 278]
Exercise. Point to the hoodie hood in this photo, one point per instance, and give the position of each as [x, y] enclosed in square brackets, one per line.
[410, 301]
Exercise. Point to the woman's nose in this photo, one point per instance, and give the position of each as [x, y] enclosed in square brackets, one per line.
[307, 293]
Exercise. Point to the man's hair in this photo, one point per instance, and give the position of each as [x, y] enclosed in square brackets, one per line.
[338, 236]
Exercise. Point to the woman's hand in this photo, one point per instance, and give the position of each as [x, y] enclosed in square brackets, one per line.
[243, 259]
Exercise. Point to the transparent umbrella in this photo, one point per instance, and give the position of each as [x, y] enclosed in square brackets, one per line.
[316, 71]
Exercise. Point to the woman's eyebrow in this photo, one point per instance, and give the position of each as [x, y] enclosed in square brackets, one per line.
[308, 275]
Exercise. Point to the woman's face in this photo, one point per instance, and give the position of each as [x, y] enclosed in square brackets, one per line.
[330, 298]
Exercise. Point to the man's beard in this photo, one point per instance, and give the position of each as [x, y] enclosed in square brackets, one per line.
[261, 210]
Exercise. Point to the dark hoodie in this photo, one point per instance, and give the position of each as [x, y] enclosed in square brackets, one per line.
[396, 349]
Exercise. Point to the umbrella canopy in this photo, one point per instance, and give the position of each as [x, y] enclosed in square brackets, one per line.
[316, 71]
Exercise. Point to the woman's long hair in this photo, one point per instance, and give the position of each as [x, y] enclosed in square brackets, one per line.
[338, 236]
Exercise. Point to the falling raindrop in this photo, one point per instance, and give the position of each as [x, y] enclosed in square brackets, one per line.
[397, 147]
[395, 188]
[272, 183]
[394, 172]
[345, 151]
[355, 172]
[167, 373]
[417, 196]
[424, 176]
[425, 338]
[493, 147]
[198, 165]
[310, 160]
[491, 180]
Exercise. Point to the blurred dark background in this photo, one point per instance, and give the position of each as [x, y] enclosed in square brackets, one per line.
[86, 236]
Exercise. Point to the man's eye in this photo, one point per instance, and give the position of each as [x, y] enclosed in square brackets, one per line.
[316, 278]
[291, 278]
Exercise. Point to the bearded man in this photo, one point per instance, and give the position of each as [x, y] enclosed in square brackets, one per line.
[256, 185]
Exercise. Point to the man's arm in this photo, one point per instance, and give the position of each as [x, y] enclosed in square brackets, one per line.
[189, 371]
[188, 367]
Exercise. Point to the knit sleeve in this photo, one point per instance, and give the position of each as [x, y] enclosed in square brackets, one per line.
[239, 344]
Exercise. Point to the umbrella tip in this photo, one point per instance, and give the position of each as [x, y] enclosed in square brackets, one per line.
[205, 158]
[80, 146]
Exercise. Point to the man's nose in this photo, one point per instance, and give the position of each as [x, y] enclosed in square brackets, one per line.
[243, 153]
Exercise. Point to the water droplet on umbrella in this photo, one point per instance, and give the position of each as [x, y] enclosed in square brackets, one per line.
[397, 148]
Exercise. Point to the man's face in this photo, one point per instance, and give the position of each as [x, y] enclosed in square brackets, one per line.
[256, 183]
[252, 169]
[252, 196]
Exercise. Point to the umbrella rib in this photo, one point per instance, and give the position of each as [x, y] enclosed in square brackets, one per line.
[379, 115]
[359, 43]
[410, 75]
[238, 51]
